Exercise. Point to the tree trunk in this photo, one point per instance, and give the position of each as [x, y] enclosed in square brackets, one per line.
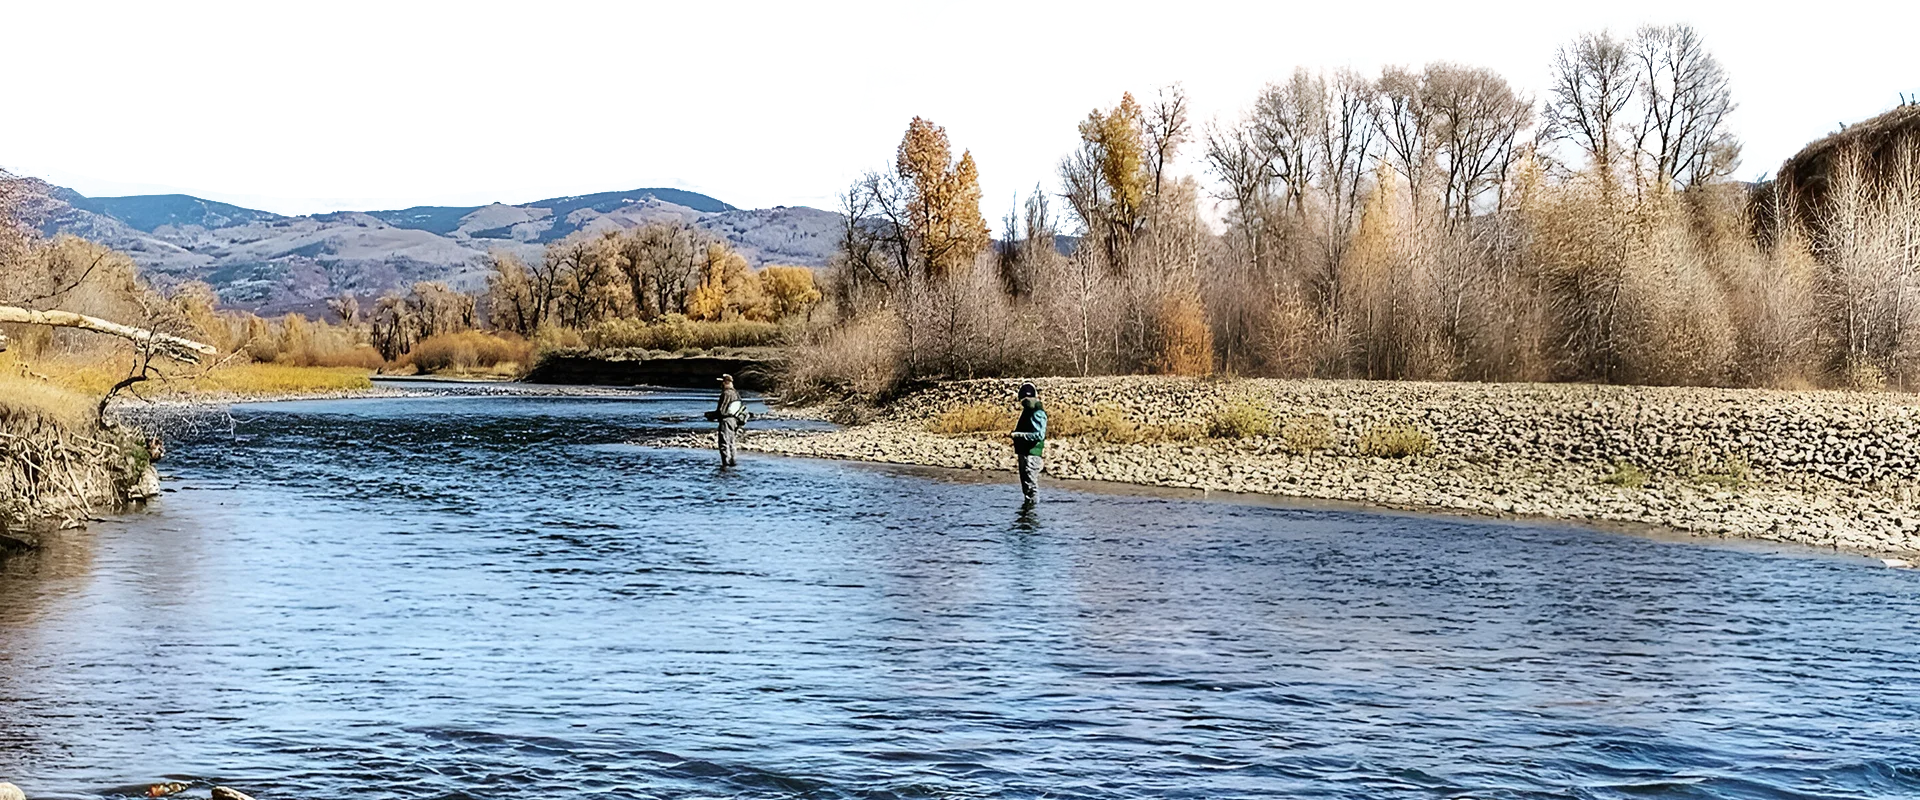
[172, 347]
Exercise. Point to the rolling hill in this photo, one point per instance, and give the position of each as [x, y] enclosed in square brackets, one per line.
[273, 263]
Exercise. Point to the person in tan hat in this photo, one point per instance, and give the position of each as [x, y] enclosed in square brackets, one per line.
[731, 414]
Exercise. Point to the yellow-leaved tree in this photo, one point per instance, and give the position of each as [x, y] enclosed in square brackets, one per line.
[943, 217]
[790, 289]
[728, 289]
[1185, 341]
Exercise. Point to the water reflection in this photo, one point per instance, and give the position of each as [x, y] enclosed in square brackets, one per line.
[1027, 520]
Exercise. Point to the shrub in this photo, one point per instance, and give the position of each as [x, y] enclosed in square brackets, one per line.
[975, 418]
[1104, 423]
[1395, 441]
[362, 356]
[554, 337]
[467, 350]
[1184, 340]
[1626, 475]
[1305, 434]
[864, 357]
[1240, 420]
[674, 332]
[263, 350]
[1861, 376]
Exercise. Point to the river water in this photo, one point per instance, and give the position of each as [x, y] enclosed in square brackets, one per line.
[468, 597]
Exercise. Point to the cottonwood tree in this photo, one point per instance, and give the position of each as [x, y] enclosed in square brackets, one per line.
[872, 260]
[1405, 122]
[1286, 120]
[790, 289]
[1166, 127]
[512, 302]
[1477, 119]
[1685, 99]
[942, 214]
[660, 259]
[1234, 156]
[1593, 83]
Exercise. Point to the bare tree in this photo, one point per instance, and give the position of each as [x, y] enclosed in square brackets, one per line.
[1685, 100]
[1167, 129]
[1405, 123]
[1476, 119]
[1593, 82]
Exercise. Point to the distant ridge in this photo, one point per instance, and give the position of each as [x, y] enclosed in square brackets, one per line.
[273, 263]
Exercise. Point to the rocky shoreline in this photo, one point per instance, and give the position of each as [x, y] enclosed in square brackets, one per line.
[1828, 469]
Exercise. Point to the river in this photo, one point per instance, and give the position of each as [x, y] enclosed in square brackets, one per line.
[503, 596]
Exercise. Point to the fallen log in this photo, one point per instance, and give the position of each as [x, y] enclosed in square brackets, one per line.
[174, 347]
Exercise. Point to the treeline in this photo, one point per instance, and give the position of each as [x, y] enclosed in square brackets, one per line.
[663, 286]
[1431, 223]
[653, 273]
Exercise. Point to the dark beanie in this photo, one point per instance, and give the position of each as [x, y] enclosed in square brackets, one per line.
[1027, 390]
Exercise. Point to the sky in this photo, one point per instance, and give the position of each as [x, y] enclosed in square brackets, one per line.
[924, 20]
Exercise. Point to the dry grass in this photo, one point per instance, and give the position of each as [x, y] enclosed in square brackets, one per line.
[468, 352]
[1306, 434]
[89, 380]
[1396, 441]
[31, 397]
[674, 333]
[1728, 470]
[974, 418]
[268, 380]
[1241, 420]
[1626, 475]
[68, 391]
[1105, 423]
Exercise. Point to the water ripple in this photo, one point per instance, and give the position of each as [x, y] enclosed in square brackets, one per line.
[475, 596]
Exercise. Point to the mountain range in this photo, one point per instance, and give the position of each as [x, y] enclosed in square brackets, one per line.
[272, 263]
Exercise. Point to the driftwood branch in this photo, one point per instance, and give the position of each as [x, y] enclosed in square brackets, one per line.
[174, 347]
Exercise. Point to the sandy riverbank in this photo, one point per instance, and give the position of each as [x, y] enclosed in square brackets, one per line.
[1819, 468]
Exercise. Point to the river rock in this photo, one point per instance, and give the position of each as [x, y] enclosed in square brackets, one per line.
[224, 793]
[148, 487]
[1721, 462]
[9, 791]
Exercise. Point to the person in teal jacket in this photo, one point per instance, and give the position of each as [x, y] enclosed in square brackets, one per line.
[1030, 439]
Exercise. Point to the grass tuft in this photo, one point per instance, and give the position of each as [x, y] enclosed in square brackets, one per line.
[1241, 420]
[1306, 434]
[1626, 476]
[974, 418]
[1395, 441]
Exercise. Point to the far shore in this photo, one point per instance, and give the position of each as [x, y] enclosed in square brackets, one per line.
[396, 386]
[1825, 469]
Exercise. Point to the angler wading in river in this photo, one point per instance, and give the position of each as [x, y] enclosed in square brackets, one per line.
[732, 416]
[1030, 440]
